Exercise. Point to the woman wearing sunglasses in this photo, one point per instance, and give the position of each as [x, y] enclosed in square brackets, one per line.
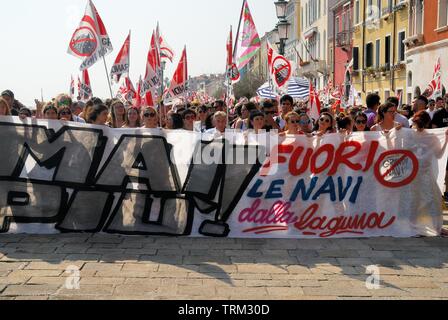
[202, 113]
[297, 124]
[65, 113]
[360, 123]
[386, 119]
[324, 125]
[132, 118]
[150, 118]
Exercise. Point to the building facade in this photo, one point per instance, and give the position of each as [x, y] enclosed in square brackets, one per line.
[342, 40]
[291, 45]
[379, 53]
[426, 42]
[313, 46]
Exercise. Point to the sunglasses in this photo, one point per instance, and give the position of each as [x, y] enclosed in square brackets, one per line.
[326, 120]
[190, 118]
[361, 122]
[149, 115]
[65, 113]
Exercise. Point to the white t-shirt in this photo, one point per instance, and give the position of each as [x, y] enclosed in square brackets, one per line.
[431, 113]
[401, 119]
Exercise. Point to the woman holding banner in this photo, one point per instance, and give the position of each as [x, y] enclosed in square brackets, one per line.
[150, 118]
[117, 114]
[132, 118]
[324, 125]
[386, 119]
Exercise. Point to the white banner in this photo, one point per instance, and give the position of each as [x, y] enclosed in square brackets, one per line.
[81, 178]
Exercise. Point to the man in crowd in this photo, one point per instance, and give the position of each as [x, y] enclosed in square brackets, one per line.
[219, 123]
[14, 104]
[373, 103]
[219, 106]
[420, 104]
[440, 103]
[398, 117]
[270, 112]
[286, 103]
[431, 108]
[440, 120]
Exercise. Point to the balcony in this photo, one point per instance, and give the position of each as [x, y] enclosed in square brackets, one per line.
[313, 69]
[344, 39]
[414, 41]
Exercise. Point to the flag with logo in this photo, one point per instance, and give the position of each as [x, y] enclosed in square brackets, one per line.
[152, 82]
[90, 41]
[121, 64]
[178, 86]
[280, 68]
[127, 92]
[248, 41]
[314, 105]
[166, 51]
[84, 87]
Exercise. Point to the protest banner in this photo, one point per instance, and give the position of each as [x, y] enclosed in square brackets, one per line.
[67, 177]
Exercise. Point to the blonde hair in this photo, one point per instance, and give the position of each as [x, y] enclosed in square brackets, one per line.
[221, 114]
[5, 103]
[290, 115]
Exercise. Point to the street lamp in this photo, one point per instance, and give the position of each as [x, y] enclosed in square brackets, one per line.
[280, 7]
[283, 25]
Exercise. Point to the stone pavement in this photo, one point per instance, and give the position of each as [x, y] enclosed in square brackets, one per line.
[119, 267]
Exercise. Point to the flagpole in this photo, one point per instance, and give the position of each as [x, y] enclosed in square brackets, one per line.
[108, 79]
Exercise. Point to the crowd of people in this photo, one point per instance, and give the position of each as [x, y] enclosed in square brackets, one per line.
[286, 115]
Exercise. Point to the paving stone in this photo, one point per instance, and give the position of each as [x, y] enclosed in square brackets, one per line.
[30, 290]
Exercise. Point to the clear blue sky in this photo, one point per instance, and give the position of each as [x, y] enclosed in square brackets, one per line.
[35, 36]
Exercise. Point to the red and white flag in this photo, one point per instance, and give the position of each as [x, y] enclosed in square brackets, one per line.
[178, 86]
[166, 52]
[121, 64]
[84, 87]
[138, 98]
[280, 68]
[232, 70]
[152, 80]
[336, 93]
[148, 100]
[435, 87]
[72, 88]
[90, 41]
[314, 105]
[127, 92]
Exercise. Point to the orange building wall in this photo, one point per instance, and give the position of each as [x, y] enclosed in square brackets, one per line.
[430, 23]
